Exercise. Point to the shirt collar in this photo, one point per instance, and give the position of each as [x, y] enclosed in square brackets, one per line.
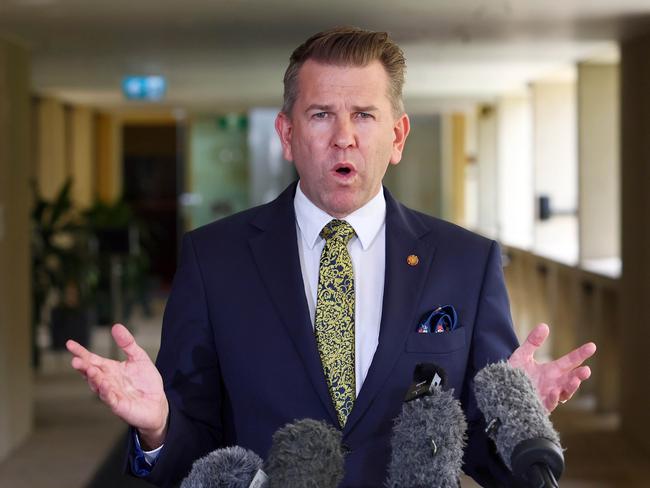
[366, 221]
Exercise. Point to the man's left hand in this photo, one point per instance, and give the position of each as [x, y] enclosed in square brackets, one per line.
[555, 381]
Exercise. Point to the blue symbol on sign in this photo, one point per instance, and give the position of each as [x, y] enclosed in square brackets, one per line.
[151, 88]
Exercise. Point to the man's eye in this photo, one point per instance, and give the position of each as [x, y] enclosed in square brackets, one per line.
[320, 115]
[363, 115]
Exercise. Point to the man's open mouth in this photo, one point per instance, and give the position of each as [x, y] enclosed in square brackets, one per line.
[344, 169]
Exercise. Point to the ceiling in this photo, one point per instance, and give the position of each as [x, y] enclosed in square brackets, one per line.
[224, 54]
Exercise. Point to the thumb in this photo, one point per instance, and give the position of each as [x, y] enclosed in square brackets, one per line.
[125, 341]
[535, 339]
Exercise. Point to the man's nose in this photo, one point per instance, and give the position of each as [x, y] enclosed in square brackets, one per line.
[344, 133]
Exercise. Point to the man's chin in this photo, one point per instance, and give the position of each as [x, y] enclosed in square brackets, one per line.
[342, 206]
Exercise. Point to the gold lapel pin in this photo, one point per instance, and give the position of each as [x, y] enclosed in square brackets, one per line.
[412, 260]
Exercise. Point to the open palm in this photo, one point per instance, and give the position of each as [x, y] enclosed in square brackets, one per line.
[555, 381]
[133, 389]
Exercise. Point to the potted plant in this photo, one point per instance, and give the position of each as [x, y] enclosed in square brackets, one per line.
[117, 235]
[62, 268]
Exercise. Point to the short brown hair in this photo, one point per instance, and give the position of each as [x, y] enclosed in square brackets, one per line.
[348, 46]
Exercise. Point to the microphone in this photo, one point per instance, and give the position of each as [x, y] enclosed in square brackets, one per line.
[519, 425]
[428, 435]
[230, 467]
[305, 454]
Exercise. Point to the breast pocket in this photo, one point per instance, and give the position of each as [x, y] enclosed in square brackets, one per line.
[436, 343]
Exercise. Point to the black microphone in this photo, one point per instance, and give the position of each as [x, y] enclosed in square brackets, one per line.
[519, 425]
[428, 435]
[230, 467]
[305, 454]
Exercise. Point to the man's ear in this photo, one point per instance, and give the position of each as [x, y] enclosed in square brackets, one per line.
[400, 133]
[284, 128]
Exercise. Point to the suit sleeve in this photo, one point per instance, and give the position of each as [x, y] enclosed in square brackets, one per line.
[493, 340]
[189, 366]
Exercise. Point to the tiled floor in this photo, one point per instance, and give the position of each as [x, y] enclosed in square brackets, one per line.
[74, 432]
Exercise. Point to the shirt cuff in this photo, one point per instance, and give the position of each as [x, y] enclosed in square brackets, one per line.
[142, 462]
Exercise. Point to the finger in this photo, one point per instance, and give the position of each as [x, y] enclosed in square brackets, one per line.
[91, 385]
[534, 340]
[125, 341]
[575, 378]
[79, 364]
[82, 365]
[576, 357]
[570, 389]
[582, 373]
[551, 400]
[77, 349]
[94, 377]
[107, 394]
[83, 358]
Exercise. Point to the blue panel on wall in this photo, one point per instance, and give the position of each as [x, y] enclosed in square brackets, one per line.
[151, 88]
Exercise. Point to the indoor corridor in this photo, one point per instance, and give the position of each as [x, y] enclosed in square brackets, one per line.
[124, 125]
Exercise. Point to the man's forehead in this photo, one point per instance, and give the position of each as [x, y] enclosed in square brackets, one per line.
[368, 82]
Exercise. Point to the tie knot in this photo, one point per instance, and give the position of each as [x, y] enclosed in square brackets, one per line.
[337, 229]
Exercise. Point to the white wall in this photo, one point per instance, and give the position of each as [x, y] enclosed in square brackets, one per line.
[515, 195]
[556, 167]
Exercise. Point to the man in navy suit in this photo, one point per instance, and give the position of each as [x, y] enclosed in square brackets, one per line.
[239, 356]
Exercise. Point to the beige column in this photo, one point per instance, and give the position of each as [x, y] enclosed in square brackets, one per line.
[635, 193]
[598, 162]
[16, 408]
[486, 129]
[453, 163]
[446, 167]
[108, 153]
[459, 159]
[51, 159]
[82, 155]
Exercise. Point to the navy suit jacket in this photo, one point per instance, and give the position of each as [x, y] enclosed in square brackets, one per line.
[239, 359]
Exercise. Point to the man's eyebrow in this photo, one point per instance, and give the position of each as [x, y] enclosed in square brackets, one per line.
[366, 108]
[320, 108]
[328, 108]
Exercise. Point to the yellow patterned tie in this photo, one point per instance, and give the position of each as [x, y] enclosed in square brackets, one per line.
[334, 324]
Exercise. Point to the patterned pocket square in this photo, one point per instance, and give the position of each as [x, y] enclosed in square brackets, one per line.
[441, 319]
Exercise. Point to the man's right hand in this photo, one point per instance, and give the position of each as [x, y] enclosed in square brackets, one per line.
[133, 389]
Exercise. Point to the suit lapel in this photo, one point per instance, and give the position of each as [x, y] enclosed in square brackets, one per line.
[275, 251]
[403, 285]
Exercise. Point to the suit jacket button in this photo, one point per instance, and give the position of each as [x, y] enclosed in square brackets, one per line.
[346, 449]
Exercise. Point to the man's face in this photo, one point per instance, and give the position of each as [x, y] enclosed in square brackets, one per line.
[342, 134]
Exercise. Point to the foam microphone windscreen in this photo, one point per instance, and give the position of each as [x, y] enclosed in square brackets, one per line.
[428, 442]
[512, 409]
[305, 454]
[230, 467]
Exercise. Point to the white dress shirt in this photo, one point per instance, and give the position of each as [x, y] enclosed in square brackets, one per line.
[368, 253]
